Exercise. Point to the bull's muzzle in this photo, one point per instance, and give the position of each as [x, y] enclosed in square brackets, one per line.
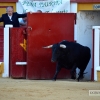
[53, 60]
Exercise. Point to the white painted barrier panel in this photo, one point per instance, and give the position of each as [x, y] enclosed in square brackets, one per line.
[96, 50]
[6, 51]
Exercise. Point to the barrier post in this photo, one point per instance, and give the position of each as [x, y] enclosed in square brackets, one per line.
[6, 51]
[96, 50]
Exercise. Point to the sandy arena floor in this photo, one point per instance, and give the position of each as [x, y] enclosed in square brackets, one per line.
[20, 89]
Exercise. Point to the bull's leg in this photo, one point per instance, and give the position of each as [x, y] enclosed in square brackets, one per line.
[83, 65]
[58, 68]
[82, 69]
[80, 75]
[73, 72]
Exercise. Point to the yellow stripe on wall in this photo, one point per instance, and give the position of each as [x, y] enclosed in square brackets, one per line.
[8, 4]
[1, 69]
[86, 6]
[98, 76]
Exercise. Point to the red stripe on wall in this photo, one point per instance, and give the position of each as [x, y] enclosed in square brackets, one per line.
[4, 6]
[85, 1]
[78, 1]
[1, 44]
[8, 1]
[92, 70]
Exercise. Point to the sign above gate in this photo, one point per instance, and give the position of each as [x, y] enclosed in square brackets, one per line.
[60, 6]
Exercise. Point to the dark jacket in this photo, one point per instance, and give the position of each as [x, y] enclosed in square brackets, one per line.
[5, 19]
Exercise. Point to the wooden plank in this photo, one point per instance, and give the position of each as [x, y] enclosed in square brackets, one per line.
[47, 29]
[17, 53]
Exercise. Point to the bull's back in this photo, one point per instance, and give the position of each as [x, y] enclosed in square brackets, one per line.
[84, 58]
[77, 53]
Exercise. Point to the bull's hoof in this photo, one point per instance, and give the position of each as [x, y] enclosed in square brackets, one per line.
[78, 79]
[73, 77]
[53, 79]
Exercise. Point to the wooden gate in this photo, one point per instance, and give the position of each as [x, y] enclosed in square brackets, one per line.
[17, 53]
[45, 29]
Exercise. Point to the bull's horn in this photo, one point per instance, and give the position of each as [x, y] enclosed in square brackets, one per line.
[62, 46]
[50, 46]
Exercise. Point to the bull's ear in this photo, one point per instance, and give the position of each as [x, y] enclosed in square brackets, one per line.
[62, 46]
[50, 46]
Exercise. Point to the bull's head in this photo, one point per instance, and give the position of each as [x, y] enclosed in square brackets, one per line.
[56, 51]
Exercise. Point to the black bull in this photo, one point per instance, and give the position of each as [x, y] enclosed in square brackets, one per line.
[70, 55]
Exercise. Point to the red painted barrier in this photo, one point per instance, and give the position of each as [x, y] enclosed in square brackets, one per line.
[1, 44]
[92, 70]
[17, 52]
[45, 29]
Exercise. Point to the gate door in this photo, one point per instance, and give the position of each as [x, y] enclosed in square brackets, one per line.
[17, 53]
[46, 29]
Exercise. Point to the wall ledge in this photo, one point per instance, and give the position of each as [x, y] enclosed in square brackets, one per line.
[94, 27]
